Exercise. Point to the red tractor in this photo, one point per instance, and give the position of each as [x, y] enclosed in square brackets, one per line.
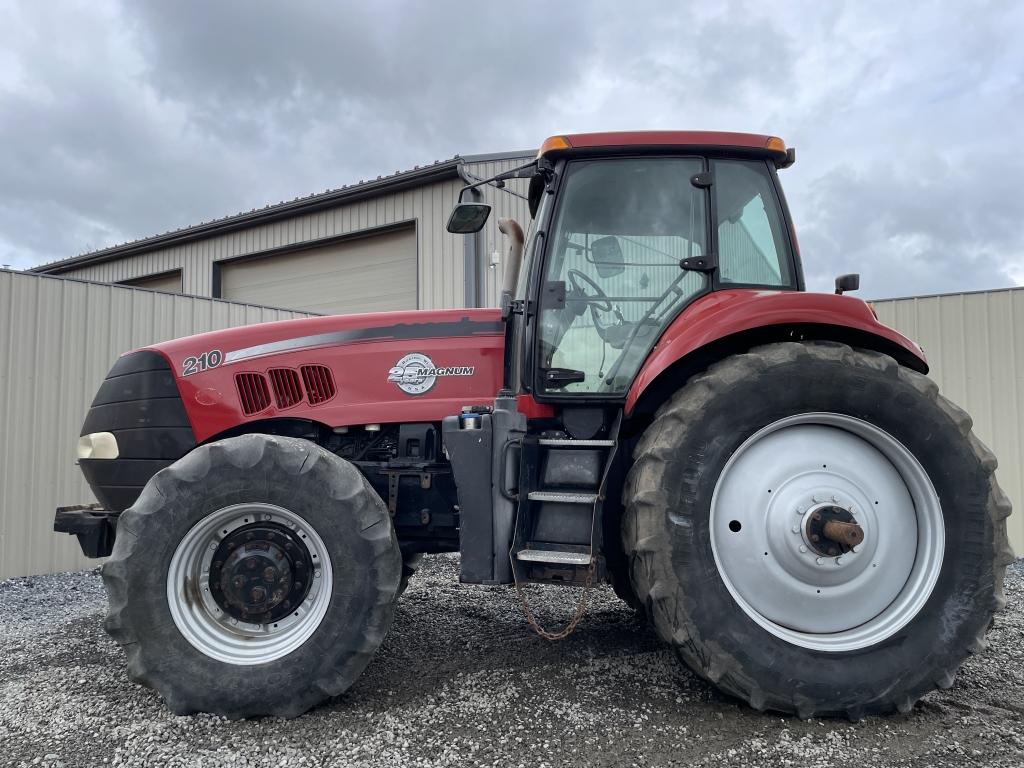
[767, 474]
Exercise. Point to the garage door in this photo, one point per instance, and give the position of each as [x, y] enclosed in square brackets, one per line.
[370, 274]
[168, 282]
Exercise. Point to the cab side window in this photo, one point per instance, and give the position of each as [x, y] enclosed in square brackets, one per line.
[751, 233]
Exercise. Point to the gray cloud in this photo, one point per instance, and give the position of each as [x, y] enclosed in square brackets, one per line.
[120, 120]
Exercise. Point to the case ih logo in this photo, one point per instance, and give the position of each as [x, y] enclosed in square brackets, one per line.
[416, 374]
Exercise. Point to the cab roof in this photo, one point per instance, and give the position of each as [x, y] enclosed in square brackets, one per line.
[753, 143]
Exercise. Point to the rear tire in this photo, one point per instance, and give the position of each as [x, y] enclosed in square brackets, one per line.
[707, 601]
[193, 550]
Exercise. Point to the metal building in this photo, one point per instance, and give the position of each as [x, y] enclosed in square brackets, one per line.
[373, 246]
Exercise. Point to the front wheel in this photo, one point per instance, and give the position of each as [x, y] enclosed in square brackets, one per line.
[816, 530]
[255, 576]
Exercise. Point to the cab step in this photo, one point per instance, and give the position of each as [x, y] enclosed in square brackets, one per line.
[556, 556]
[557, 442]
[563, 497]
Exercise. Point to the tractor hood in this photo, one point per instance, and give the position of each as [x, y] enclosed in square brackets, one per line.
[340, 370]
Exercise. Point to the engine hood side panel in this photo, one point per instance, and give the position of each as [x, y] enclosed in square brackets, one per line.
[386, 367]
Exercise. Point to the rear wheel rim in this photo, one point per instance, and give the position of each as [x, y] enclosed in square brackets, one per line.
[770, 502]
[200, 573]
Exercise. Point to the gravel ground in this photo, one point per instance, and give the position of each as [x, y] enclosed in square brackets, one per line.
[461, 680]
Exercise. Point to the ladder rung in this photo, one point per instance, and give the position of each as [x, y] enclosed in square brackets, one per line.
[563, 497]
[554, 556]
[553, 442]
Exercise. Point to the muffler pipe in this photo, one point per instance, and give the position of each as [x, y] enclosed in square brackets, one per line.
[514, 260]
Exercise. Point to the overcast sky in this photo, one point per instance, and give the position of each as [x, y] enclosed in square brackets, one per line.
[122, 120]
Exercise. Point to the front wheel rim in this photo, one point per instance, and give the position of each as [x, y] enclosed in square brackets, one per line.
[769, 502]
[216, 625]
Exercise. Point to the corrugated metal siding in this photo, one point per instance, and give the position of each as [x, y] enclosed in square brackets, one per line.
[975, 347]
[505, 205]
[58, 339]
[440, 254]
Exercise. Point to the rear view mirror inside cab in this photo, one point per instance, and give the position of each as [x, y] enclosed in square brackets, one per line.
[607, 255]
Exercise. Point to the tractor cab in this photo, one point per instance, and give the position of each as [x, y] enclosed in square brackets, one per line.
[628, 230]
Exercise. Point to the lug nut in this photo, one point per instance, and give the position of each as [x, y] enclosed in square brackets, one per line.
[839, 561]
[251, 563]
[818, 560]
[802, 549]
[269, 574]
[796, 529]
[258, 595]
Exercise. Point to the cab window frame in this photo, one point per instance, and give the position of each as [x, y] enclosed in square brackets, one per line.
[531, 379]
[790, 255]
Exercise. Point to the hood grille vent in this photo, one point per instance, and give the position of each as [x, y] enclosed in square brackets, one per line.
[253, 392]
[319, 383]
[287, 389]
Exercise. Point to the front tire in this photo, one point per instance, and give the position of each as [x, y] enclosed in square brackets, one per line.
[733, 565]
[255, 576]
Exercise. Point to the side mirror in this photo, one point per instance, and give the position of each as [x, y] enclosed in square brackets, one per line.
[608, 256]
[468, 218]
[847, 283]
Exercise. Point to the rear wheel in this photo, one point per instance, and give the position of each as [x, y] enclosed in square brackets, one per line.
[255, 576]
[816, 530]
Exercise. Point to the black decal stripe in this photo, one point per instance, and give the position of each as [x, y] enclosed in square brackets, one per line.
[402, 331]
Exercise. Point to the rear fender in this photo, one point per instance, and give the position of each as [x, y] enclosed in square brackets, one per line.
[731, 321]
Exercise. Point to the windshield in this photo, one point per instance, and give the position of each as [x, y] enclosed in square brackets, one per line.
[613, 279]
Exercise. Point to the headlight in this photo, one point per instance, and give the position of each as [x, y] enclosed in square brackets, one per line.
[98, 445]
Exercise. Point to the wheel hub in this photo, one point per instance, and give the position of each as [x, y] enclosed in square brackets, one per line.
[259, 572]
[831, 530]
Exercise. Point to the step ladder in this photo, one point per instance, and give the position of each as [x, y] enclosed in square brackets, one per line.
[557, 534]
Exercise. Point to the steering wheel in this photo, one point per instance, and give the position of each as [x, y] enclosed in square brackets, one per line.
[599, 299]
